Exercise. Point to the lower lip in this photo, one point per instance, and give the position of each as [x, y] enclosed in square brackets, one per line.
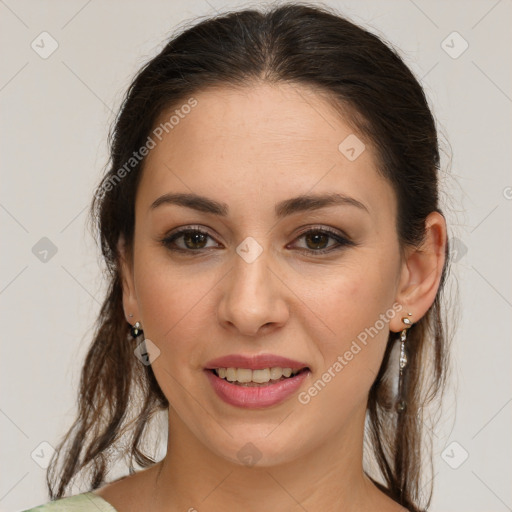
[255, 397]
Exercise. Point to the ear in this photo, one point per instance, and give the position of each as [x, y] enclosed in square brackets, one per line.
[130, 304]
[421, 273]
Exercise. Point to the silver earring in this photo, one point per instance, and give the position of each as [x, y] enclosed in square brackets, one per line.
[401, 404]
[136, 330]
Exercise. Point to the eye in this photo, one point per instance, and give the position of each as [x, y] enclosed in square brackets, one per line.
[317, 240]
[194, 240]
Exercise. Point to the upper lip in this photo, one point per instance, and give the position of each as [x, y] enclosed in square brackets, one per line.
[254, 362]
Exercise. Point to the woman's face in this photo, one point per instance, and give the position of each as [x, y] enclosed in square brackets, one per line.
[257, 282]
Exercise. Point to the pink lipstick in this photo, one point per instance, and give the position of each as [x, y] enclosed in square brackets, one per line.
[255, 381]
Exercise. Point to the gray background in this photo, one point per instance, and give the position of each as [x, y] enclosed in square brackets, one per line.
[55, 115]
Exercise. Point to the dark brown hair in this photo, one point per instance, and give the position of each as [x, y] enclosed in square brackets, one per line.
[365, 79]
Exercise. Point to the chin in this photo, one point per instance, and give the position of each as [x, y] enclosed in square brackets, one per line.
[258, 452]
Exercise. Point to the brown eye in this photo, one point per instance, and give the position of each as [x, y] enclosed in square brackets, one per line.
[194, 240]
[317, 240]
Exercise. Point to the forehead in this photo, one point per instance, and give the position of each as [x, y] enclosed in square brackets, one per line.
[275, 139]
[276, 117]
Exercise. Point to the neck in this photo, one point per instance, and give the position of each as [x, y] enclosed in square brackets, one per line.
[191, 477]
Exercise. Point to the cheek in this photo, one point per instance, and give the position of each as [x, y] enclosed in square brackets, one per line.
[356, 304]
[357, 310]
[351, 300]
[175, 307]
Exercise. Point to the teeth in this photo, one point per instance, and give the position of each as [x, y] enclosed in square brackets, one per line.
[245, 375]
[260, 376]
[231, 374]
[275, 373]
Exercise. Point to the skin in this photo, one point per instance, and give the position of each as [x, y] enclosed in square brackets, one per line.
[251, 148]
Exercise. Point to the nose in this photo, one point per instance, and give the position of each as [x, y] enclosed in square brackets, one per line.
[253, 298]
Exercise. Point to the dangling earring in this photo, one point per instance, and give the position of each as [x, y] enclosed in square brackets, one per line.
[401, 404]
[136, 330]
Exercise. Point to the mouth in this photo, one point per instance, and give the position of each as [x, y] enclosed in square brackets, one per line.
[254, 381]
[256, 388]
[247, 377]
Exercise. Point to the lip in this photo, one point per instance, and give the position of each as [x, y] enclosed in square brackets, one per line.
[256, 397]
[254, 362]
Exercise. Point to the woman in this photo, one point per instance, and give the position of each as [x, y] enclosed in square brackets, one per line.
[276, 256]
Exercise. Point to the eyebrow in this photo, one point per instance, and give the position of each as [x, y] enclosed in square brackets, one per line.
[302, 203]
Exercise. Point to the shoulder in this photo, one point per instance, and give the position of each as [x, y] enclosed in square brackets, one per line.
[85, 502]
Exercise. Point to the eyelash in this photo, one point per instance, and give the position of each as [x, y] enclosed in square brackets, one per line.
[341, 240]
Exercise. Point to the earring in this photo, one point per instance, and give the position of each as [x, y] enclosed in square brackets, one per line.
[136, 330]
[401, 404]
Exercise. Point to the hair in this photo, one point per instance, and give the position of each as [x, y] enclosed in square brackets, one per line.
[366, 80]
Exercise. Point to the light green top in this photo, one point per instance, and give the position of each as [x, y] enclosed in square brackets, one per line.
[85, 502]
